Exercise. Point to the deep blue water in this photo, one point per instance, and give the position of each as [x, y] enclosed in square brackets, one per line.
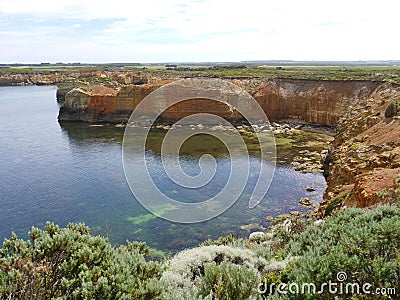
[74, 173]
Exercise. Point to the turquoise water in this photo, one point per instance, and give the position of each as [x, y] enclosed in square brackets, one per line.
[74, 173]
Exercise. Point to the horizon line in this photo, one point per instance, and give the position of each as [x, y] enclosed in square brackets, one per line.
[258, 61]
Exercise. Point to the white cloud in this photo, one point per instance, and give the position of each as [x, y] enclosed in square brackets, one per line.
[208, 30]
[88, 9]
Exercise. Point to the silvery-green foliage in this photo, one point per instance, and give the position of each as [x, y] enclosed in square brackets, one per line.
[228, 240]
[263, 250]
[227, 281]
[274, 265]
[65, 263]
[186, 270]
[363, 244]
[257, 237]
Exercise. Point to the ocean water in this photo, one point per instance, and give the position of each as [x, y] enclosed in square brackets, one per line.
[74, 173]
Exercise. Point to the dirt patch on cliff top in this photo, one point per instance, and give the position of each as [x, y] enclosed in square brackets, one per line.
[385, 132]
[99, 90]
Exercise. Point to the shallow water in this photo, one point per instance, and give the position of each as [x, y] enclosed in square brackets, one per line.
[74, 173]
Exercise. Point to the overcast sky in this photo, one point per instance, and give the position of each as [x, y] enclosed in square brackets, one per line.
[197, 30]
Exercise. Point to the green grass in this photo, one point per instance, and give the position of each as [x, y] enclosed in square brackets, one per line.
[379, 73]
[335, 203]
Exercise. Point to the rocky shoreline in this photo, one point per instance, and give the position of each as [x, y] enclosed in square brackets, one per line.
[360, 164]
[363, 159]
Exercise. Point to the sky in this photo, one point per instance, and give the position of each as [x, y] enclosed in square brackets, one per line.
[90, 31]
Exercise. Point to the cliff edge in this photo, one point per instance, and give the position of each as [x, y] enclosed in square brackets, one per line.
[364, 169]
[365, 156]
[320, 102]
[102, 104]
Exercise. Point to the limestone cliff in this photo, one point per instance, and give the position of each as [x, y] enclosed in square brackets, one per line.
[365, 155]
[32, 79]
[311, 101]
[102, 104]
[64, 87]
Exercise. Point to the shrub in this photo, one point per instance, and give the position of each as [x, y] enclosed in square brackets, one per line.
[231, 240]
[392, 109]
[69, 263]
[228, 281]
[194, 270]
[65, 263]
[391, 195]
[365, 245]
[396, 180]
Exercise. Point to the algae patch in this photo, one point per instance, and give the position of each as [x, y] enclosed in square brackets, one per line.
[144, 218]
[283, 141]
[141, 219]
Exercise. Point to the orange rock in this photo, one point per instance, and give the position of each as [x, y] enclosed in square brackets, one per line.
[366, 153]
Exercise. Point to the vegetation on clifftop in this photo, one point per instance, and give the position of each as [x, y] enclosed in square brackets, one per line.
[65, 263]
[391, 74]
[249, 71]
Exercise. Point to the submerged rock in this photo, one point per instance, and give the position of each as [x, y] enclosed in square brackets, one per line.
[295, 213]
[309, 189]
[306, 202]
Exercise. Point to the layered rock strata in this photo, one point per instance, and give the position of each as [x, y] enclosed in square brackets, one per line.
[102, 104]
[310, 101]
[365, 156]
[364, 168]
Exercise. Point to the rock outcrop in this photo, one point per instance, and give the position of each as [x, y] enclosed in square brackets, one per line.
[64, 87]
[102, 104]
[365, 155]
[364, 168]
[31, 79]
[311, 101]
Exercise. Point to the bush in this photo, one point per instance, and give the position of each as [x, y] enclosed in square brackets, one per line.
[391, 195]
[364, 245]
[229, 240]
[65, 263]
[200, 270]
[69, 263]
[228, 281]
[392, 109]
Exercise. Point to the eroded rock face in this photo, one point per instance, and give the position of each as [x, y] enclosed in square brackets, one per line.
[312, 101]
[30, 79]
[65, 87]
[365, 156]
[102, 104]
